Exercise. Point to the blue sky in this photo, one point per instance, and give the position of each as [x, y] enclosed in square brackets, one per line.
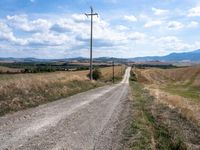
[124, 28]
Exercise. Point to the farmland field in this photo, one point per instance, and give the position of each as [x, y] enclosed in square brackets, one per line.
[19, 91]
[161, 119]
[179, 88]
[9, 70]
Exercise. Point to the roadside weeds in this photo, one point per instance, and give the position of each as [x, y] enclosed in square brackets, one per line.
[18, 92]
[155, 126]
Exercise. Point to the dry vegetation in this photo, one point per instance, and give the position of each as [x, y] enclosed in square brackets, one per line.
[178, 88]
[157, 126]
[107, 73]
[20, 91]
[10, 70]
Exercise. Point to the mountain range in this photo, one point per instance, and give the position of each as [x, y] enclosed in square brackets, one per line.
[193, 56]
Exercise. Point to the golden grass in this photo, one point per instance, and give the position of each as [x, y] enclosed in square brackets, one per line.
[108, 72]
[177, 88]
[20, 91]
[10, 70]
[187, 109]
[178, 75]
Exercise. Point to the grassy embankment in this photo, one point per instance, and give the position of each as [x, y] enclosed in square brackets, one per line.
[157, 125]
[21, 91]
[178, 88]
[146, 131]
[10, 70]
[184, 82]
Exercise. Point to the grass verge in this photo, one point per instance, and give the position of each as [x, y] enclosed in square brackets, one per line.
[187, 91]
[21, 91]
[146, 131]
[38, 95]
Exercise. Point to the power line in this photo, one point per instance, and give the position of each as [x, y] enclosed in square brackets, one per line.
[91, 14]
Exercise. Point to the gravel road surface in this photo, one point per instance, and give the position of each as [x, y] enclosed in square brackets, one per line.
[86, 121]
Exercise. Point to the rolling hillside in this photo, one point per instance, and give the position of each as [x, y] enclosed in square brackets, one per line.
[193, 56]
[179, 88]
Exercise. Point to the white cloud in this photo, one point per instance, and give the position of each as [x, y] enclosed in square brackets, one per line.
[175, 25]
[6, 33]
[66, 36]
[79, 17]
[152, 23]
[22, 22]
[173, 43]
[137, 36]
[122, 28]
[130, 18]
[159, 11]
[48, 39]
[193, 24]
[194, 12]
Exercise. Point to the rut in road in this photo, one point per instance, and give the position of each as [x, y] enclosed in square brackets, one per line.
[84, 121]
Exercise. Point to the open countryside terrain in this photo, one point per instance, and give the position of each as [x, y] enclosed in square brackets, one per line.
[9, 70]
[177, 87]
[175, 105]
[140, 114]
[20, 91]
[88, 120]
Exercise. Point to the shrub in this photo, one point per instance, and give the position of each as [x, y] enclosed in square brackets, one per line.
[96, 74]
[133, 76]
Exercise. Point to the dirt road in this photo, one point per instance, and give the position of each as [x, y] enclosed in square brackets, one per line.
[85, 121]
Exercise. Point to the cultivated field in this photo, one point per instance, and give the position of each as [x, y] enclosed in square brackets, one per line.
[19, 91]
[161, 119]
[179, 88]
[9, 70]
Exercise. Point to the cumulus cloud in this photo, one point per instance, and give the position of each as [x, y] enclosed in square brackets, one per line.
[71, 33]
[175, 25]
[159, 11]
[79, 17]
[6, 34]
[122, 28]
[22, 22]
[67, 36]
[137, 36]
[194, 12]
[130, 18]
[172, 43]
[193, 24]
[152, 23]
[49, 39]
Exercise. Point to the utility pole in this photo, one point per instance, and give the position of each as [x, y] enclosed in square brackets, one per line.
[91, 14]
[113, 66]
[121, 66]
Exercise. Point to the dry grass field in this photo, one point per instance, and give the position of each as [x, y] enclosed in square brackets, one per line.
[188, 75]
[155, 125]
[178, 88]
[19, 91]
[10, 70]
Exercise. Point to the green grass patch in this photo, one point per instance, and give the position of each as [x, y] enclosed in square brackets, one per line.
[146, 131]
[187, 91]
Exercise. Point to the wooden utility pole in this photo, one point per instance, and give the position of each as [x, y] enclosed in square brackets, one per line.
[113, 66]
[91, 14]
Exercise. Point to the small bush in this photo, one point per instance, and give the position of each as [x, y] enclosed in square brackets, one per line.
[133, 76]
[96, 74]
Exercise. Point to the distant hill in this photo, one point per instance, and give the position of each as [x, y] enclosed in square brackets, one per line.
[193, 56]
[76, 59]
